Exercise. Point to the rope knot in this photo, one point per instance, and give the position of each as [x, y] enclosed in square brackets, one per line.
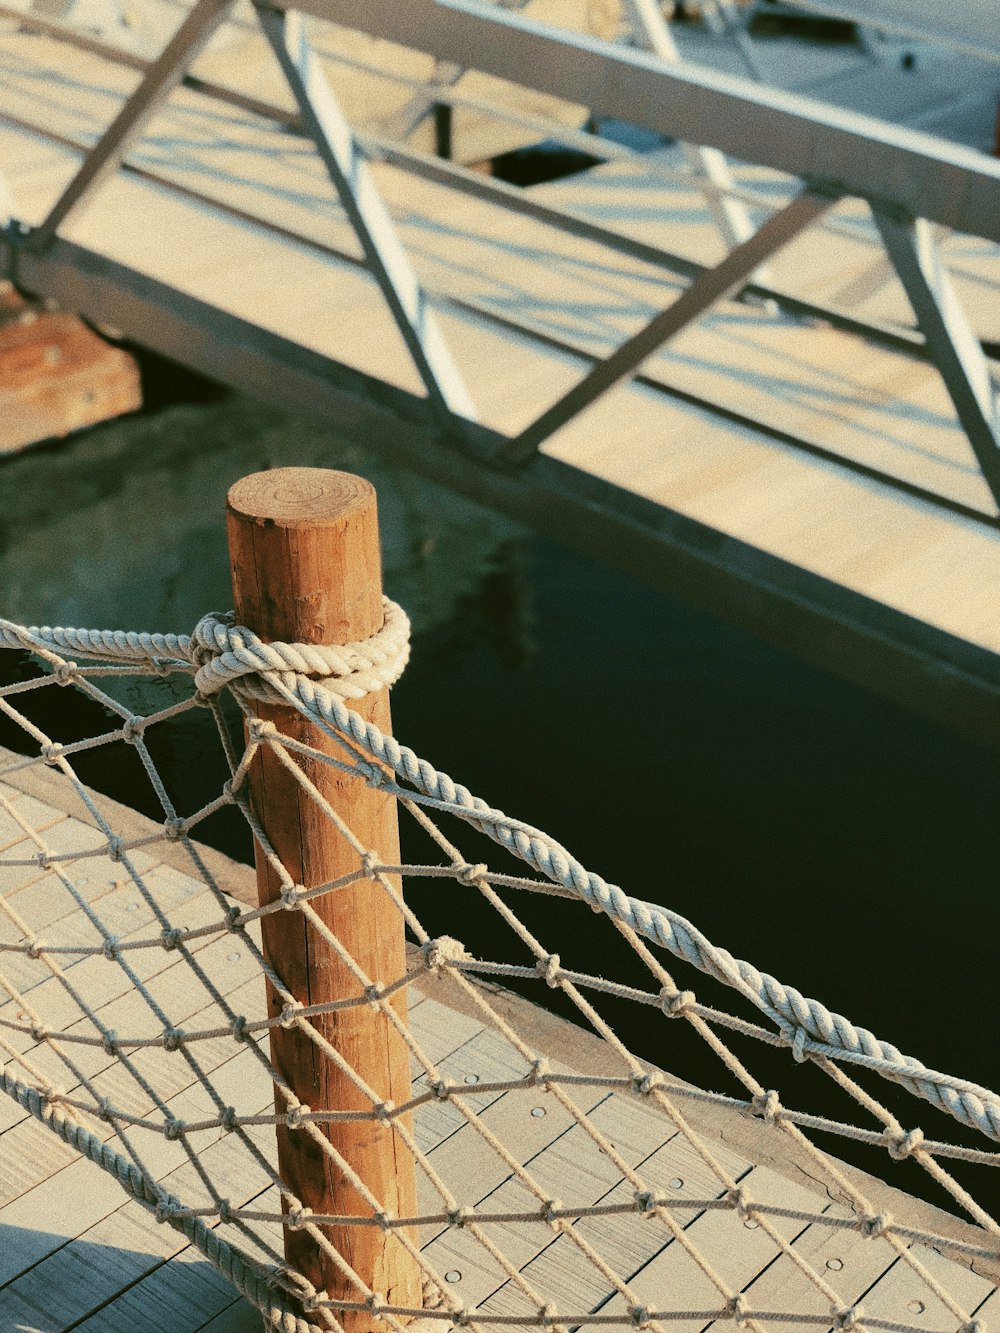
[240, 1028]
[875, 1224]
[174, 829]
[737, 1308]
[116, 847]
[228, 655]
[470, 874]
[35, 948]
[548, 968]
[645, 1083]
[227, 1119]
[39, 1032]
[373, 775]
[132, 730]
[290, 1013]
[166, 1209]
[440, 1090]
[798, 1040]
[676, 1003]
[171, 936]
[647, 1202]
[901, 1144]
[109, 1042]
[847, 1317]
[172, 1038]
[173, 1129]
[296, 1114]
[548, 1211]
[540, 1070]
[234, 919]
[104, 1109]
[297, 1218]
[370, 861]
[290, 896]
[111, 948]
[65, 673]
[458, 1217]
[258, 730]
[383, 1112]
[639, 1315]
[373, 993]
[51, 753]
[225, 1210]
[442, 951]
[743, 1204]
[766, 1106]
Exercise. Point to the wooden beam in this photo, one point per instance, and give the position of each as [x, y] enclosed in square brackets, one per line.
[304, 550]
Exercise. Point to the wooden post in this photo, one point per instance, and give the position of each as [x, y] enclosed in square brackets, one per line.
[306, 568]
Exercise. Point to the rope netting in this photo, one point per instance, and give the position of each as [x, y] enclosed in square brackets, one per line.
[134, 1024]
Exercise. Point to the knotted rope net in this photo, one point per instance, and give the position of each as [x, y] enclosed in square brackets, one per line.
[559, 1183]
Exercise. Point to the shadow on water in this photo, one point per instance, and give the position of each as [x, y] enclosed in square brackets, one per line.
[843, 845]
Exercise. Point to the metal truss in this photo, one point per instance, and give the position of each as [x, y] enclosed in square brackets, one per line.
[707, 290]
[909, 180]
[325, 124]
[954, 348]
[323, 121]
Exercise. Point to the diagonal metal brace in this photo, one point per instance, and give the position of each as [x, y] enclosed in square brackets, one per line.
[951, 343]
[130, 123]
[325, 123]
[712, 286]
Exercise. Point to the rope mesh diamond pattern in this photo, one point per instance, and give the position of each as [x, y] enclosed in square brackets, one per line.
[133, 1025]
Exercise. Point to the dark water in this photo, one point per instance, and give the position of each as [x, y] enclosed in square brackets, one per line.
[846, 846]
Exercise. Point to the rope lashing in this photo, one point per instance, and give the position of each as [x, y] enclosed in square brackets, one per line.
[227, 654]
[224, 654]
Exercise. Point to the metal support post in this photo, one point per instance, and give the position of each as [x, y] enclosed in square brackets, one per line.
[325, 123]
[953, 346]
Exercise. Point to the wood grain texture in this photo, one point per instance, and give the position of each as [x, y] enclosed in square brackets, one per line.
[306, 568]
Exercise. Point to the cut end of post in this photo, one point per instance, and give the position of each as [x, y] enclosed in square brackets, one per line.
[305, 555]
[299, 497]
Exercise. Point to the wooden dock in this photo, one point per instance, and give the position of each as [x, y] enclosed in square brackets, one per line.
[785, 473]
[74, 1254]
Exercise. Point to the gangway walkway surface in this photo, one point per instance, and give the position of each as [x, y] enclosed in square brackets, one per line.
[812, 461]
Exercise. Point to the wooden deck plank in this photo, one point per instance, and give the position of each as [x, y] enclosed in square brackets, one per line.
[903, 1296]
[626, 1241]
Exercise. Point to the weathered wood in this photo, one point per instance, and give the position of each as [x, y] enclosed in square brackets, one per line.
[56, 374]
[306, 568]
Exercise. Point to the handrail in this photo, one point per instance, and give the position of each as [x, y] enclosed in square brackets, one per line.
[918, 174]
